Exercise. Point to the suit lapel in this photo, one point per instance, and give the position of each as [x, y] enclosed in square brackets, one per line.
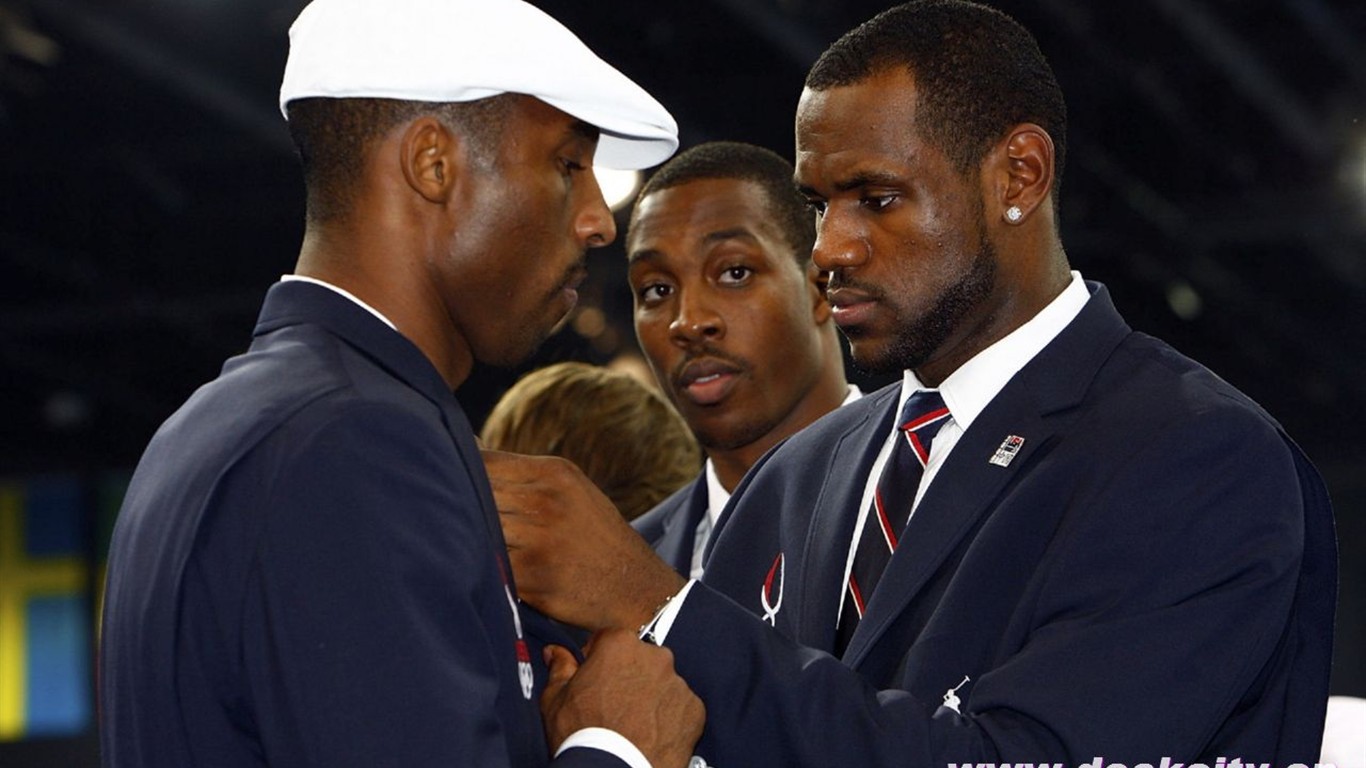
[825, 544]
[675, 546]
[1031, 407]
[961, 493]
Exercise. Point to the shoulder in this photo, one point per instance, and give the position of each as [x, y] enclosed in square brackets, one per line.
[1147, 379]
[864, 415]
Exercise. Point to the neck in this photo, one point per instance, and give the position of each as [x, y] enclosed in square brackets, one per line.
[1021, 294]
[828, 394]
[372, 267]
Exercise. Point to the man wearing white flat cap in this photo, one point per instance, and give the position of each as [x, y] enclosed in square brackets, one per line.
[308, 568]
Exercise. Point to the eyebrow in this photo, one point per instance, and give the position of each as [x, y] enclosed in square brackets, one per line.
[734, 233]
[719, 236]
[644, 254]
[858, 181]
[586, 130]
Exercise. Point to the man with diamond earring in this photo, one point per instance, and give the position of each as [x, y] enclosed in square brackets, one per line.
[308, 569]
[1056, 540]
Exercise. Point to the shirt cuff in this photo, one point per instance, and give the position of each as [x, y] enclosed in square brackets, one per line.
[665, 621]
[608, 741]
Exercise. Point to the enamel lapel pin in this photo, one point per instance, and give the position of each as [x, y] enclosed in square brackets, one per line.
[1006, 453]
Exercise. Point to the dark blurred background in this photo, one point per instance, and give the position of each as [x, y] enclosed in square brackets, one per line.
[1216, 183]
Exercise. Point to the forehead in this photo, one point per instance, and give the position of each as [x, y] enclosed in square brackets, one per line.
[870, 121]
[689, 214]
[532, 122]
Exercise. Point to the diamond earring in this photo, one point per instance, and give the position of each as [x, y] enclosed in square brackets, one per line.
[1014, 214]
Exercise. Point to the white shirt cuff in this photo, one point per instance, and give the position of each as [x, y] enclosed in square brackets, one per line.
[608, 741]
[665, 622]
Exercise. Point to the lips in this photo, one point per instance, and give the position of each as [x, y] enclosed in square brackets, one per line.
[851, 306]
[570, 287]
[707, 381]
[576, 277]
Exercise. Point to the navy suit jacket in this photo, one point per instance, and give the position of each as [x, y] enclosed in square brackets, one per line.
[307, 569]
[671, 527]
[1151, 575]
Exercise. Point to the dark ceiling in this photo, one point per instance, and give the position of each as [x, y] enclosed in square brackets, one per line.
[1217, 183]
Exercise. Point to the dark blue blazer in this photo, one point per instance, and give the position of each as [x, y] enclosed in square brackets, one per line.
[1151, 575]
[307, 569]
[671, 527]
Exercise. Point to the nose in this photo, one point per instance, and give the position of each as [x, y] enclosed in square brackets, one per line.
[839, 244]
[695, 320]
[595, 226]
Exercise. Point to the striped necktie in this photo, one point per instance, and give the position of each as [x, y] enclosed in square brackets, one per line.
[921, 418]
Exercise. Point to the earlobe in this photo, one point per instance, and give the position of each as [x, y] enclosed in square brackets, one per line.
[1026, 177]
[430, 154]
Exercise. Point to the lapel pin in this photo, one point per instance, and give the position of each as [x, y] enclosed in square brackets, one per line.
[1006, 453]
[771, 606]
[951, 699]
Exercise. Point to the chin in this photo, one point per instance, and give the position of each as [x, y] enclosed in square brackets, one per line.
[875, 359]
[513, 352]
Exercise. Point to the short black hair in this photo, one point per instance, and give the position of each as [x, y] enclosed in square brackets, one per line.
[978, 73]
[745, 162]
[330, 136]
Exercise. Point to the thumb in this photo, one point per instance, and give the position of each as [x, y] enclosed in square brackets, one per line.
[562, 666]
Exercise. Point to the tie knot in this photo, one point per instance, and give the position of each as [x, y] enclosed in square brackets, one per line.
[925, 408]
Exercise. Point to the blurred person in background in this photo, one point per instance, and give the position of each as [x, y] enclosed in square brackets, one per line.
[629, 441]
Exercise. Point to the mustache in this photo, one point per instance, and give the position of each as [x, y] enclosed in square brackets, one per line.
[575, 274]
[707, 352]
[837, 282]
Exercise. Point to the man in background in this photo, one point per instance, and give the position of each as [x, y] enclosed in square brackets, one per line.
[307, 569]
[732, 316]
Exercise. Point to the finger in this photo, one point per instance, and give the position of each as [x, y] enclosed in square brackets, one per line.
[492, 456]
[520, 531]
[562, 666]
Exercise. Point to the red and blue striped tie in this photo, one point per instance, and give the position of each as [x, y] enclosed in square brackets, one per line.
[921, 418]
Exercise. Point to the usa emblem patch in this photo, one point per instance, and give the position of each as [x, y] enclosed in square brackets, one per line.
[1006, 453]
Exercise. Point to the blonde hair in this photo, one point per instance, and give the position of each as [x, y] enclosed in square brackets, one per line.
[625, 436]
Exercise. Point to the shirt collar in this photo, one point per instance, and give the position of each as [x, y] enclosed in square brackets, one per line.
[343, 292]
[717, 496]
[968, 390]
[853, 394]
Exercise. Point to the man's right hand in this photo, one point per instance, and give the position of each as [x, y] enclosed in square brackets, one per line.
[628, 686]
[574, 558]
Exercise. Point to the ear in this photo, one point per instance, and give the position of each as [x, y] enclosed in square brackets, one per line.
[1020, 173]
[432, 157]
[817, 281]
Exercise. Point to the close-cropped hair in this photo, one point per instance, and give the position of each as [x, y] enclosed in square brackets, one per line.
[977, 72]
[331, 135]
[624, 436]
[746, 162]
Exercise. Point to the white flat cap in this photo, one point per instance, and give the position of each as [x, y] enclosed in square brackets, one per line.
[462, 50]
